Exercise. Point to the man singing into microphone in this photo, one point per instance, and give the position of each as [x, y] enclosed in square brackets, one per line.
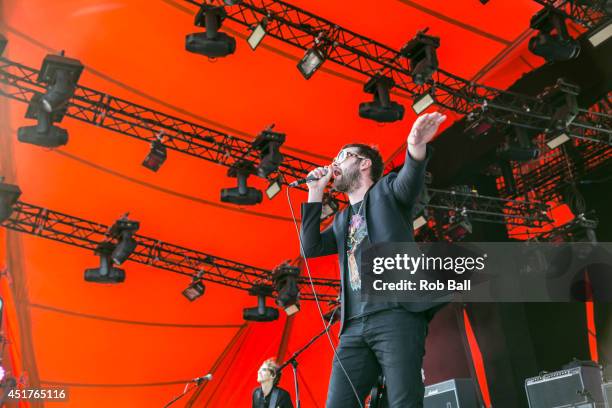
[269, 395]
[373, 336]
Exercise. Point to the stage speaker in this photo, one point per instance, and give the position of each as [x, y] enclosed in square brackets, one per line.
[607, 394]
[455, 393]
[572, 387]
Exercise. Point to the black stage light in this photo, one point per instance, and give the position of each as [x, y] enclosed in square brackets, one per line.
[419, 222]
[557, 140]
[459, 227]
[243, 194]
[268, 144]
[3, 42]
[562, 97]
[210, 43]
[43, 134]
[601, 34]
[9, 194]
[123, 229]
[196, 289]
[106, 273]
[422, 102]
[517, 153]
[421, 51]
[311, 61]
[273, 188]
[261, 313]
[62, 75]
[382, 109]
[520, 150]
[258, 34]
[557, 46]
[286, 284]
[156, 157]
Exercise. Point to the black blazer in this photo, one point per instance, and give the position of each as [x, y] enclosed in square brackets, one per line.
[388, 208]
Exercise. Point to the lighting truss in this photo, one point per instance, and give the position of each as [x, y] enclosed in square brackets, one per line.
[576, 230]
[137, 121]
[545, 179]
[86, 234]
[587, 15]
[489, 209]
[304, 30]
[127, 118]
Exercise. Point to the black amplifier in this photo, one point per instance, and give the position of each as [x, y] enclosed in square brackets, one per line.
[455, 393]
[573, 387]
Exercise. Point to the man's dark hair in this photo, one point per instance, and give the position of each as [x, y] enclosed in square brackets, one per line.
[373, 154]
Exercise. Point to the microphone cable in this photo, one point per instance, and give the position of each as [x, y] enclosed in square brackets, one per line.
[316, 297]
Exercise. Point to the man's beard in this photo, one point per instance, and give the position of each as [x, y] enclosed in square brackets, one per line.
[349, 180]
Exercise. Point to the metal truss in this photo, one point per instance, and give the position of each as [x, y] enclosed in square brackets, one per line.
[489, 209]
[580, 229]
[86, 234]
[106, 111]
[305, 30]
[587, 15]
[555, 170]
[137, 121]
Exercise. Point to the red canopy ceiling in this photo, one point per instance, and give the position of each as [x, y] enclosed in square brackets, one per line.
[114, 345]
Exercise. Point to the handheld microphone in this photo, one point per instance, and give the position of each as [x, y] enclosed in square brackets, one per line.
[206, 377]
[306, 180]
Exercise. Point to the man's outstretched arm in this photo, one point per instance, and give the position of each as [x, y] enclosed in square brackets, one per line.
[409, 182]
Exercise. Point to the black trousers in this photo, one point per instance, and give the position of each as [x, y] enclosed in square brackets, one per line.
[391, 342]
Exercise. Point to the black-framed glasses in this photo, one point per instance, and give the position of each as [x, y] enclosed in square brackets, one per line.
[345, 154]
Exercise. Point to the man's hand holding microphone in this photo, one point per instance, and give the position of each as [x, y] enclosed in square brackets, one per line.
[316, 188]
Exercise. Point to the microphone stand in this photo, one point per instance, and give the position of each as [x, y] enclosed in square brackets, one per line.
[185, 391]
[292, 360]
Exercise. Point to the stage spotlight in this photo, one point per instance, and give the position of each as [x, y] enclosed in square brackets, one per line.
[588, 227]
[261, 313]
[562, 98]
[274, 188]
[106, 273]
[258, 34]
[557, 140]
[459, 227]
[43, 134]
[517, 153]
[268, 144]
[62, 75]
[422, 102]
[9, 194]
[3, 42]
[123, 229]
[419, 222]
[243, 194]
[421, 51]
[382, 109]
[557, 46]
[196, 289]
[311, 61]
[601, 35]
[330, 206]
[156, 157]
[286, 284]
[210, 43]
[520, 150]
